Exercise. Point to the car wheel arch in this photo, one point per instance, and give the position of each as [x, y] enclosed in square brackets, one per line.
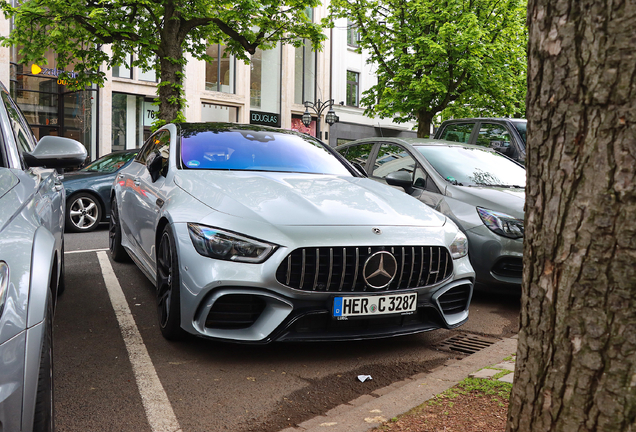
[44, 254]
[158, 232]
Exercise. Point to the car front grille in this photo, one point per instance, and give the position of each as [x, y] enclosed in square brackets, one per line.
[455, 300]
[340, 269]
[235, 311]
[509, 267]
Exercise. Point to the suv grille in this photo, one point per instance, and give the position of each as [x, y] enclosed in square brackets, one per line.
[338, 269]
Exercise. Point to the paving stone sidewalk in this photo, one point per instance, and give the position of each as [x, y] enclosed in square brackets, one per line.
[370, 411]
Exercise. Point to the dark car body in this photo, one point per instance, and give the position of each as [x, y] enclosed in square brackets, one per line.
[88, 191]
[505, 135]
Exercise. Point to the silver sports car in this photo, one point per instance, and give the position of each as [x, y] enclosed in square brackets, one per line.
[31, 265]
[256, 234]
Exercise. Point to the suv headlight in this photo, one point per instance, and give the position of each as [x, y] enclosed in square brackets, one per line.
[501, 223]
[459, 246]
[4, 284]
[219, 244]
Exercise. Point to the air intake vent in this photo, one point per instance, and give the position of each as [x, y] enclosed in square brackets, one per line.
[455, 300]
[340, 268]
[235, 311]
[509, 267]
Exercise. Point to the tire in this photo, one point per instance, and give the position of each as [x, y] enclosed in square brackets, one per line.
[117, 251]
[44, 418]
[83, 213]
[168, 288]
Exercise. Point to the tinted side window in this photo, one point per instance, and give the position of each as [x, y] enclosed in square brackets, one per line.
[154, 143]
[392, 158]
[358, 154]
[458, 132]
[21, 130]
[494, 135]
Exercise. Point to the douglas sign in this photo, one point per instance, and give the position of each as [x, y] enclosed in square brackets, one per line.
[264, 118]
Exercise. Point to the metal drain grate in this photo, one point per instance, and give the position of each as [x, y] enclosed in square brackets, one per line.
[465, 343]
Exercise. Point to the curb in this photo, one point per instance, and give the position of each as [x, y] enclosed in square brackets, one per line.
[370, 411]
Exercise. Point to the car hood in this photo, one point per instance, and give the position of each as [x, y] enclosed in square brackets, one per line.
[82, 175]
[505, 200]
[306, 199]
[8, 206]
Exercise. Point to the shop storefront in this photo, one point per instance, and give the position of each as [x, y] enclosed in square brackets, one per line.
[132, 117]
[50, 108]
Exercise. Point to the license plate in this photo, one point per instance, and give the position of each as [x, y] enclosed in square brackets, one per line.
[374, 305]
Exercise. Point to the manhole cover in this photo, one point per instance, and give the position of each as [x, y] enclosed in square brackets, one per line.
[465, 343]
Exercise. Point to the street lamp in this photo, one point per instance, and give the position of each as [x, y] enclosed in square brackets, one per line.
[318, 108]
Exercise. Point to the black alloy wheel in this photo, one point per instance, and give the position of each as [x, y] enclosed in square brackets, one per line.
[117, 251]
[168, 288]
[83, 213]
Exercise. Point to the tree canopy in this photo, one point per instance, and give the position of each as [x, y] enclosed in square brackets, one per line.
[158, 33]
[455, 57]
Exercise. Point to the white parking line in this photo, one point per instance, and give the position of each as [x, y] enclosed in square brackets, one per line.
[158, 409]
[84, 251]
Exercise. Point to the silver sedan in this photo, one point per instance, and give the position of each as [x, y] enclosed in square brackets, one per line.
[256, 234]
[31, 265]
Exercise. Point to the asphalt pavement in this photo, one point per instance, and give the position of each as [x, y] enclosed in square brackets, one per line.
[370, 411]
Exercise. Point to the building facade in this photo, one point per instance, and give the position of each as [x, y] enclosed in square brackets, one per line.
[270, 90]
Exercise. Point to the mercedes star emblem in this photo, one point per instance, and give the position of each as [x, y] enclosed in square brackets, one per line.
[379, 270]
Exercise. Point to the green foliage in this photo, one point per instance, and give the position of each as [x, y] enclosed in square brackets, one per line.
[88, 34]
[455, 57]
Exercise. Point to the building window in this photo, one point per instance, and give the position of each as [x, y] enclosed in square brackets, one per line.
[305, 74]
[131, 121]
[123, 70]
[219, 73]
[149, 75]
[353, 84]
[353, 37]
[218, 113]
[265, 76]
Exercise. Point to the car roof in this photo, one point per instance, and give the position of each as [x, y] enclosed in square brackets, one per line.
[461, 120]
[417, 142]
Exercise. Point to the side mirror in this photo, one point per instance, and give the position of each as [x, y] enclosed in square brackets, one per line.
[56, 152]
[401, 179]
[154, 164]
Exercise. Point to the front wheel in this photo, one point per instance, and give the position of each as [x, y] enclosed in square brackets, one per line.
[117, 251]
[44, 418]
[83, 213]
[168, 287]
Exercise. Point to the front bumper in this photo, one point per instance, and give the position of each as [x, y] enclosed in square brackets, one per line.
[246, 303]
[497, 260]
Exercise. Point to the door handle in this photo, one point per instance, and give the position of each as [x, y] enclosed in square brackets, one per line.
[137, 181]
[120, 175]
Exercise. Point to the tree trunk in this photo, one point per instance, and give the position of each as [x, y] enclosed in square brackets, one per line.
[576, 359]
[171, 62]
[424, 119]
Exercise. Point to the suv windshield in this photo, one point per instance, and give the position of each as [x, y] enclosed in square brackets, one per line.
[250, 150]
[467, 166]
[109, 163]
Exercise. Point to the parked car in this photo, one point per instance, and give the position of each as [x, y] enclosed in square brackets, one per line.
[505, 135]
[257, 234]
[482, 191]
[31, 265]
[88, 191]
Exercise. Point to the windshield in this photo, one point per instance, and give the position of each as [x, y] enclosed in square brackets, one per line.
[474, 166]
[109, 163]
[521, 128]
[250, 150]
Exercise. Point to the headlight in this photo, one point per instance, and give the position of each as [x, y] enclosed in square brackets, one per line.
[4, 284]
[219, 244]
[459, 246]
[501, 223]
